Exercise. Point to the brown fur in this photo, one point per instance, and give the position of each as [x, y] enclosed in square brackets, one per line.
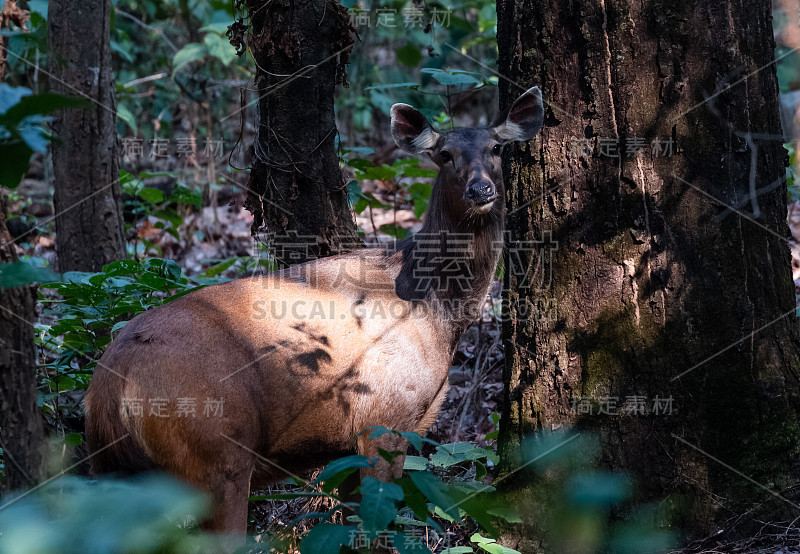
[303, 359]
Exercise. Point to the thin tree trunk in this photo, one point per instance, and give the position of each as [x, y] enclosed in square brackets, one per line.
[659, 290]
[297, 189]
[89, 226]
[21, 432]
[10, 13]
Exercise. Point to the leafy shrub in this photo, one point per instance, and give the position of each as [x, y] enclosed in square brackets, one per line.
[89, 308]
[426, 498]
[75, 515]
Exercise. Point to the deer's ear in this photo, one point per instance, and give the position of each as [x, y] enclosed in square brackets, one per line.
[411, 131]
[523, 120]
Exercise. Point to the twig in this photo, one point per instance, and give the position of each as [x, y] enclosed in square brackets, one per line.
[139, 81]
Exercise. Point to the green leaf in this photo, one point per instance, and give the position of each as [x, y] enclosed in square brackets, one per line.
[414, 171]
[401, 520]
[486, 25]
[152, 195]
[192, 52]
[121, 267]
[215, 270]
[174, 271]
[327, 538]
[125, 115]
[11, 96]
[477, 506]
[389, 455]
[394, 230]
[150, 174]
[415, 463]
[41, 104]
[421, 195]
[480, 470]
[374, 203]
[64, 384]
[408, 84]
[378, 505]
[505, 512]
[457, 550]
[413, 497]
[23, 273]
[360, 164]
[118, 325]
[436, 491]
[379, 173]
[184, 195]
[409, 55]
[122, 51]
[448, 455]
[220, 48]
[376, 431]
[355, 461]
[169, 215]
[353, 192]
[452, 77]
[153, 281]
[35, 136]
[338, 470]
[361, 205]
[73, 439]
[220, 28]
[490, 545]
[16, 159]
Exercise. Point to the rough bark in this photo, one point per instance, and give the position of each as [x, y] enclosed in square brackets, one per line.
[21, 430]
[296, 187]
[653, 275]
[89, 226]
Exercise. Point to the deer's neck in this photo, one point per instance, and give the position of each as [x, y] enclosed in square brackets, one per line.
[450, 264]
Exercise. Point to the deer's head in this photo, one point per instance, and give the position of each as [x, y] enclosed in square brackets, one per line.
[469, 159]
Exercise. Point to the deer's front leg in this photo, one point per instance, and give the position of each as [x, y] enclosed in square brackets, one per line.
[383, 470]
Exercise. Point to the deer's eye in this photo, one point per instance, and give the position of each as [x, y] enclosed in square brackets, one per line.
[497, 149]
[446, 157]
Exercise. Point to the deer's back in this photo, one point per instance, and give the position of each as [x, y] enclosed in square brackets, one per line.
[291, 365]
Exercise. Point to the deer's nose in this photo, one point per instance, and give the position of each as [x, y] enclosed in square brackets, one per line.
[480, 191]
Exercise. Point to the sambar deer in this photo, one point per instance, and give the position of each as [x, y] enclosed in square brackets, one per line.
[255, 378]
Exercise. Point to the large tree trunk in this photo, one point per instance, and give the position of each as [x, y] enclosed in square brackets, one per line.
[658, 289]
[21, 432]
[297, 188]
[89, 226]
